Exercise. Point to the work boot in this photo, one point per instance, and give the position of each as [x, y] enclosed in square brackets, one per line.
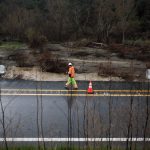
[75, 87]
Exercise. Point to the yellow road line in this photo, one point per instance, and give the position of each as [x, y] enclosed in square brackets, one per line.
[122, 90]
[80, 95]
[39, 90]
[44, 90]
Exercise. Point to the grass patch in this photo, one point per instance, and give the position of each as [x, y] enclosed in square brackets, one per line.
[11, 45]
[41, 148]
[58, 148]
[138, 42]
[66, 148]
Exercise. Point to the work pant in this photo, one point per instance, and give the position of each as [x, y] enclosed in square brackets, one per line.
[72, 82]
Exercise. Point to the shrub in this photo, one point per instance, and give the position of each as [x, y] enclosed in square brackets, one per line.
[51, 63]
[36, 39]
[80, 54]
[147, 42]
[139, 42]
[79, 43]
[106, 70]
[147, 64]
[21, 59]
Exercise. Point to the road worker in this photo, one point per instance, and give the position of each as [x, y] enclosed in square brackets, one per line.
[71, 80]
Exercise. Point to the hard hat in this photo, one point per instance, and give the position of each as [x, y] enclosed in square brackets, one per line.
[70, 64]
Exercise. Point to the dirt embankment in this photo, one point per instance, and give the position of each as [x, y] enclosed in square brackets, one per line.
[36, 74]
[91, 64]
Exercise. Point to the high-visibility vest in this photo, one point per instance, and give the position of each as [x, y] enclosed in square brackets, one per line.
[71, 72]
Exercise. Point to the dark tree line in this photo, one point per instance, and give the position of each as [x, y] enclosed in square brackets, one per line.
[60, 20]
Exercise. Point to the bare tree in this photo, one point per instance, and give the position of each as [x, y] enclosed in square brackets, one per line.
[106, 19]
[129, 128]
[147, 112]
[3, 120]
[39, 115]
[124, 9]
[57, 22]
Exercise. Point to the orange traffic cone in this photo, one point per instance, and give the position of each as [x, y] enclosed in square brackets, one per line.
[90, 89]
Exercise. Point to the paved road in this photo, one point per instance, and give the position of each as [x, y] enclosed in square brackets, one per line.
[45, 109]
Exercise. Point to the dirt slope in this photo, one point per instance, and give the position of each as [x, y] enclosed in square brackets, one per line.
[90, 63]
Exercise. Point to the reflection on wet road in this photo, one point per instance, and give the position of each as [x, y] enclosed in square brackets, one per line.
[114, 112]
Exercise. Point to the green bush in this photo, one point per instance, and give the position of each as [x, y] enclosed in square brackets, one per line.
[139, 42]
[129, 42]
[11, 45]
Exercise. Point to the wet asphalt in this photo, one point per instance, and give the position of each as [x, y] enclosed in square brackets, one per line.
[74, 116]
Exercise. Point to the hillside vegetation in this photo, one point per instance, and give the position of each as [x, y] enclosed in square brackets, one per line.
[39, 21]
